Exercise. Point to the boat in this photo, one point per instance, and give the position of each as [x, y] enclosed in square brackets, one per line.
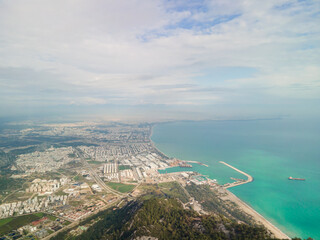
[185, 165]
[300, 179]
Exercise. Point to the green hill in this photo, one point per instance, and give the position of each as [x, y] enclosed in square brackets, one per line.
[167, 219]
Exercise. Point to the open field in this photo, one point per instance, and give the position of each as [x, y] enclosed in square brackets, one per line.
[173, 189]
[9, 186]
[124, 167]
[12, 223]
[123, 188]
[5, 221]
[9, 224]
[19, 195]
[79, 178]
[94, 162]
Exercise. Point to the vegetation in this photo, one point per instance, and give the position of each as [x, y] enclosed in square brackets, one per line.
[72, 155]
[105, 131]
[39, 214]
[6, 160]
[212, 203]
[93, 218]
[94, 162]
[67, 172]
[167, 219]
[174, 190]
[60, 193]
[150, 191]
[52, 218]
[9, 185]
[73, 164]
[17, 196]
[5, 221]
[40, 148]
[12, 223]
[121, 187]
[48, 175]
[75, 144]
[9, 224]
[158, 214]
[124, 167]
[79, 178]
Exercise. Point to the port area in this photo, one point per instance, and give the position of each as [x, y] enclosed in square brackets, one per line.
[238, 181]
[200, 163]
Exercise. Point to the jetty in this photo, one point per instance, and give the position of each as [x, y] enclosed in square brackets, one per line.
[200, 163]
[185, 165]
[246, 208]
[237, 183]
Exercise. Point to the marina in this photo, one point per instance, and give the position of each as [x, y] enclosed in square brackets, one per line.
[270, 162]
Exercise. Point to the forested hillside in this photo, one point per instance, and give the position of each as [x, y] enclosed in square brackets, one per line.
[167, 219]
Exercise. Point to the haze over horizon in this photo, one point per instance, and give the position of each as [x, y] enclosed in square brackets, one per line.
[159, 59]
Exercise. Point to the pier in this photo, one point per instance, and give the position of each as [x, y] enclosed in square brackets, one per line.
[200, 163]
[237, 183]
[245, 207]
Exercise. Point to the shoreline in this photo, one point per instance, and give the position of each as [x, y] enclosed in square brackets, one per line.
[242, 205]
[257, 216]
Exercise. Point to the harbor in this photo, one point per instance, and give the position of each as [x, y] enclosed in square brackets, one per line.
[200, 163]
[238, 181]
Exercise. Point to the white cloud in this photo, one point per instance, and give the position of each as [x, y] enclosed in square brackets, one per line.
[122, 52]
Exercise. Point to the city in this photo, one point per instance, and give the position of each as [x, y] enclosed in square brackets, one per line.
[82, 169]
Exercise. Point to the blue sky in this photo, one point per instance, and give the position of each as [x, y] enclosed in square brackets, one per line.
[159, 59]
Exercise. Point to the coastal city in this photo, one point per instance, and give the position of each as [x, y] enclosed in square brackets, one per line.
[85, 168]
[159, 120]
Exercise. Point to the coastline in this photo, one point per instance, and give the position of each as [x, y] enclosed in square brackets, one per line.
[242, 205]
[257, 216]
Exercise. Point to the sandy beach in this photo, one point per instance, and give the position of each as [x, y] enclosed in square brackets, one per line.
[242, 205]
[258, 217]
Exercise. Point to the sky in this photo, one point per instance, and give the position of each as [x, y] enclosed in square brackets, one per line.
[159, 59]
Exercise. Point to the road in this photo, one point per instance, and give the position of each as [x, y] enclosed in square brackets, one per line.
[95, 176]
[99, 181]
[74, 224]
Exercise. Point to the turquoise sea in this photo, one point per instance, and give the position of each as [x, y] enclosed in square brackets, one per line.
[270, 151]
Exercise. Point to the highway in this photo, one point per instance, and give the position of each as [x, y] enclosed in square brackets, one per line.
[76, 223]
[98, 180]
[95, 176]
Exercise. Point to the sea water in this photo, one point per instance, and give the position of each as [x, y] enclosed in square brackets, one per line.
[270, 151]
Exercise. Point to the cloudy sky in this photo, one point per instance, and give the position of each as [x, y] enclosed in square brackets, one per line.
[160, 58]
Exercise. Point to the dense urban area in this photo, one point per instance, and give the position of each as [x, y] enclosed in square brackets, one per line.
[60, 181]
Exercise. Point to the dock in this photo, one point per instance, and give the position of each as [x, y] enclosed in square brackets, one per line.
[200, 163]
[185, 165]
[245, 207]
[237, 183]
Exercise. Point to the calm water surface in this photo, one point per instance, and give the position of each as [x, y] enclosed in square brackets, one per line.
[269, 150]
